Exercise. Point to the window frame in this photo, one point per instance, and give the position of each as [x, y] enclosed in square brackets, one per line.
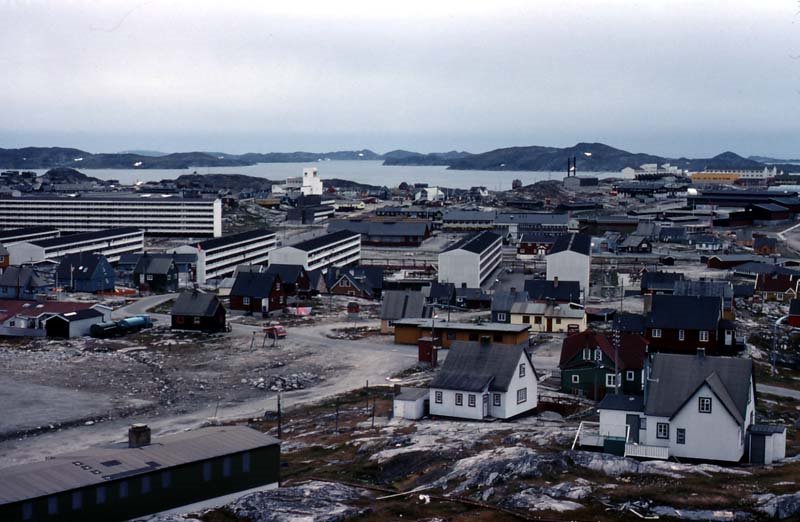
[438, 397]
[501, 317]
[522, 370]
[576, 379]
[630, 375]
[703, 336]
[681, 335]
[459, 399]
[496, 399]
[613, 378]
[655, 333]
[704, 400]
[471, 400]
[522, 395]
[680, 436]
[662, 426]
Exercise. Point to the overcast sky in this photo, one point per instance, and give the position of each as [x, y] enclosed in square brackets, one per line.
[675, 78]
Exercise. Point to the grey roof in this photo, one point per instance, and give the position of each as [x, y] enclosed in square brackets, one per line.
[722, 289]
[412, 394]
[22, 276]
[381, 228]
[660, 280]
[471, 366]
[770, 207]
[100, 465]
[196, 303]
[502, 301]
[613, 401]
[633, 241]
[149, 264]
[767, 429]
[79, 266]
[323, 241]
[401, 304]
[13, 233]
[579, 243]
[288, 273]
[755, 268]
[79, 315]
[539, 237]
[685, 312]
[676, 378]
[254, 284]
[219, 242]
[468, 215]
[629, 322]
[85, 236]
[476, 243]
[543, 290]
[531, 218]
[441, 291]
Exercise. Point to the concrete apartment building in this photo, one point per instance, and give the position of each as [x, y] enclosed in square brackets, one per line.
[111, 243]
[337, 249]
[570, 259]
[468, 263]
[220, 256]
[156, 214]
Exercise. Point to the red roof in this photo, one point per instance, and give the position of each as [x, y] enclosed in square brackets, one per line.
[633, 348]
[12, 307]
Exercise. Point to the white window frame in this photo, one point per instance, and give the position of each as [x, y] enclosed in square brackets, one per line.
[522, 370]
[703, 336]
[245, 300]
[522, 395]
[704, 404]
[437, 397]
[497, 400]
[576, 379]
[611, 380]
[630, 375]
[681, 335]
[587, 354]
[656, 333]
[660, 427]
[598, 354]
[459, 399]
[501, 317]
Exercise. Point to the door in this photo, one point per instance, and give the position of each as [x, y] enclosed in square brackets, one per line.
[757, 448]
[633, 423]
[549, 324]
[485, 405]
[728, 337]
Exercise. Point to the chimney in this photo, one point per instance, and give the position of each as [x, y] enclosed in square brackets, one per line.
[555, 282]
[701, 353]
[138, 435]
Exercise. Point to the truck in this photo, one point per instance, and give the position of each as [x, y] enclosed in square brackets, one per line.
[122, 327]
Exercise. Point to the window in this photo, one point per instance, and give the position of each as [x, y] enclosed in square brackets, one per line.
[246, 461]
[123, 489]
[780, 296]
[227, 464]
[630, 375]
[611, 380]
[437, 397]
[459, 399]
[522, 395]
[522, 370]
[537, 320]
[656, 333]
[680, 435]
[587, 354]
[166, 479]
[598, 355]
[206, 471]
[703, 336]
[100, 495]
[501, 317]
[146, 485]
[471, 400]
[662, 430]
[496, 399]
[576, 379]
[643, 423]
[704, 404]
[196, 320]
[77, 500]
[681, 335]
[52, 505]
[27, 511]
[451, 335]
[526, 319]
[148, 277]
[178, 319]
[245, 300]
[558, 320]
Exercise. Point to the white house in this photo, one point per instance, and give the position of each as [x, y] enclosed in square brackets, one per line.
[694, 407]
[570, 259]
[480, 380]
[430, 194]
[549, 316]
[468, 263]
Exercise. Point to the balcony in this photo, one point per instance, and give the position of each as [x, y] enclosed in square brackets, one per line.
[616, 439]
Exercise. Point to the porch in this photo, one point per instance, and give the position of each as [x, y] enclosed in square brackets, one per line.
[616, 439]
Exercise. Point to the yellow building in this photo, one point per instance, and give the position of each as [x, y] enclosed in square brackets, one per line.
[728, 178]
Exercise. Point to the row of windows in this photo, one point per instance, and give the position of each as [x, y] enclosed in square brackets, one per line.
[702, 334]
[662, 432]
[145, 486]
[611, 379]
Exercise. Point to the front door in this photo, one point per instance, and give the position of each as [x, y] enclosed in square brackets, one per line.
[549, 324]
[633, 423]
[728, 337]
[757, 445]
[485, 405]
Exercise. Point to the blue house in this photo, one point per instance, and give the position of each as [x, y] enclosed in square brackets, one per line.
[23, 282]
[85, 272]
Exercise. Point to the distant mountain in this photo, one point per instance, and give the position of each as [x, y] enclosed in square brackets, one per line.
[234, 182]
[769, 160]
[407, 158]
[151, 153]
[307, 157]
[67, 175]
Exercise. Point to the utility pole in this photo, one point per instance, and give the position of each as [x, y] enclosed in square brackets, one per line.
[279, 414]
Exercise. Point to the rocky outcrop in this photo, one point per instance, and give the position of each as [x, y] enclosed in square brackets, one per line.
[312, 501]
[780, 506]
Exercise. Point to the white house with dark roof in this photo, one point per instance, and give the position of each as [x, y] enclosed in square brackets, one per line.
[468, 263]
[570, 259]
[694, 407]
[481, 380]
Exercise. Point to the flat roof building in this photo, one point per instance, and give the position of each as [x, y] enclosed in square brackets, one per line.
[111, 243]
[156, 214]
[337, 249]
[468, 263]
[220, 256]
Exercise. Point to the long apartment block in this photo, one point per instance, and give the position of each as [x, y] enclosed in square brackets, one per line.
[112, 243]
[337, 249]
[220, 256]
[472, 260]
[156, 214]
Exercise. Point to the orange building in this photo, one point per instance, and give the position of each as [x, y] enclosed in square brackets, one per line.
[409, 331]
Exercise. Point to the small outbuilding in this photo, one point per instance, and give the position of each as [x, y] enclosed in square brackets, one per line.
[766, 443]
[411, 403]
[72, 324]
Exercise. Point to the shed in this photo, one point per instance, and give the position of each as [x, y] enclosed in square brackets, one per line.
[197, 310]
[411, 403]
[766, 443]
[73, 324]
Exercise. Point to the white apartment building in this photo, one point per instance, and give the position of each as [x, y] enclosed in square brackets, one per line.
[156, 214]
[220, 256]
[337, 249]
[15, 235]
[570, 259]
[111, 243]
[468, 263]
[309, 184]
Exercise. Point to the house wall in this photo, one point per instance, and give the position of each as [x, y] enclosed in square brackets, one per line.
[448, 406]
[508, 401]
[409, 409]
[461, 268]
[612, 423]
[570, 266]
[405, 334]
[542, 326]
[670, 342]
[709, 436]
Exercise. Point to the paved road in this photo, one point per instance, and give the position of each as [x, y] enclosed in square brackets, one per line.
[778, 391]
[141, 306]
